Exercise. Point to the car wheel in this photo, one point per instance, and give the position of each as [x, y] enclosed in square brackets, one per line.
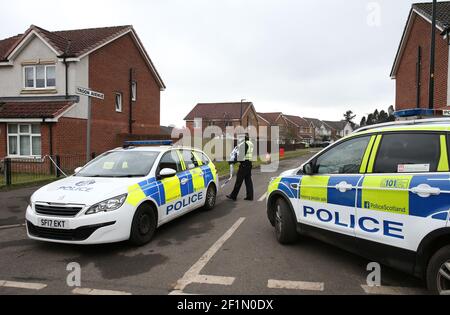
[438, 272]
[285, 224]
[144, 225]
[211, 196]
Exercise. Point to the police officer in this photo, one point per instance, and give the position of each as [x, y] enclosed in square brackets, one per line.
[245, 170]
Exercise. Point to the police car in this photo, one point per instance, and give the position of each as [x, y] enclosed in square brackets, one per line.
[124, 194]
[382, 192]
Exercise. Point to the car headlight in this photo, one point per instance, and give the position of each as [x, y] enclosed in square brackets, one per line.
[108, 205]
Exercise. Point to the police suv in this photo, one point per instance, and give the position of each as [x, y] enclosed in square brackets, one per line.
[124, 194]
[382, 192]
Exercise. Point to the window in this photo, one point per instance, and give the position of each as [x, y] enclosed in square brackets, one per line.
[189, 159]
[118, 102]
[170, 160]
[205, 159]
[408, 149]
[345, 158]
[197, 123]
[24, 140]
[39, 77]
[134, 91]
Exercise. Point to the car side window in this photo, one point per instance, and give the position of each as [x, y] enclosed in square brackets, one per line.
[344, 158]
[205, 159]
[408, 153]
[170, 160]
[189, 159]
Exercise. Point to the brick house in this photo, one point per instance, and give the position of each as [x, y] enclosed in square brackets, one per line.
[222, 115]
[276, 119]
[321, 131]
[301, 129]
[411, 67]
[339, 129]
[39, 73]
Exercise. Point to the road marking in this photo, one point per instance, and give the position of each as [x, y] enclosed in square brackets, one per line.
[385, 290]
[5, 227]
[22, 285]
[263, 197]
[86, 291]
[177, 292]
[296, 285]
[193, 274]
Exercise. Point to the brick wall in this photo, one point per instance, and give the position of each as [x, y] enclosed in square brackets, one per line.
[406, 88]
[69, 137]
[109, 70]
[3, 141]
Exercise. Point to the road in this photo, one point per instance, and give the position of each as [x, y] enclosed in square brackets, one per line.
[230, 250]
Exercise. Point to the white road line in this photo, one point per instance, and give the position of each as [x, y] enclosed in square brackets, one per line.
[86, 291]
[385, 290]
[263, 197]
[296, 285]
[214, 280]
[5, 227]
[193, 273]
[177, 292]
[22, 285]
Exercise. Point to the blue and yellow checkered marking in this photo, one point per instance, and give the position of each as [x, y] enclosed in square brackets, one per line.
[171, 189]
[381, 198]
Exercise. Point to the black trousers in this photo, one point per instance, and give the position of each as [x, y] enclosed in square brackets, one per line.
[244, 174]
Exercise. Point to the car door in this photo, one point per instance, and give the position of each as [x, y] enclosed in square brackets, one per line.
[196, 176]
[327, 199]
[405, 194]
[170, 189]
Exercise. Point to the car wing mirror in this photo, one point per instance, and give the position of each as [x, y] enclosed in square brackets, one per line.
[167, 172]
[77, 170]
[308, 169]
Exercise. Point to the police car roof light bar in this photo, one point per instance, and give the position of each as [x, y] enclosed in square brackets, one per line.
[412, 113]
[128, 144]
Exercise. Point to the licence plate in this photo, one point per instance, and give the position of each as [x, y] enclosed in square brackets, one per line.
[53, 224]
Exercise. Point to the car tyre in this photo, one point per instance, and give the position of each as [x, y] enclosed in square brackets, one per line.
[211, 196]
[143, 226]
[438, 272]
[285, 223]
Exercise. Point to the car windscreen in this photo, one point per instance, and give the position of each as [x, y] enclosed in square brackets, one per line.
[120, 164]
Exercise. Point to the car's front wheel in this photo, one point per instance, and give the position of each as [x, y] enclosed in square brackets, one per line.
[211, 196]
[285, 223]
[144, 225]
[438, 272]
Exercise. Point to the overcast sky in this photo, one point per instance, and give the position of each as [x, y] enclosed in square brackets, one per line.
[308, 58]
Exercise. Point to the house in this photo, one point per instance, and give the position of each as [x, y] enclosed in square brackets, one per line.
[40, 70]
[411, 69]
[321, 131]
[222, 115]
[302, 129]
[339, 129]
[275, 120]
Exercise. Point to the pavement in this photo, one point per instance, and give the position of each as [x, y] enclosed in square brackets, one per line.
[229, 250]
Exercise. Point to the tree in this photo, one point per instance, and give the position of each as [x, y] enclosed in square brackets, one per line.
[349, 116]
[363, 122]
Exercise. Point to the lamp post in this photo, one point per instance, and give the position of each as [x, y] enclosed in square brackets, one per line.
[432, 57]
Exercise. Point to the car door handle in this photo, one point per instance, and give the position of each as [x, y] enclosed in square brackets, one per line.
[425, 191]
[295, 186]
[344, 187]
[184, 181]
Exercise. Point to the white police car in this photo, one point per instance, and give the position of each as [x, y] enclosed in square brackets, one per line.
[383, 193]
[124, 194]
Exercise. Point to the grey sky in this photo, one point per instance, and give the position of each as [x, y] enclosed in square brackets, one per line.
[309, 58]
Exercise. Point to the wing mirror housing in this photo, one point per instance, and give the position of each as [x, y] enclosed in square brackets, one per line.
[308, 169]
[77, 170]
[167, 172]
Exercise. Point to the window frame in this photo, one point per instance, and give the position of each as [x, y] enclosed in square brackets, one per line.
[383, 134]
[34, 67]
[118, 110]
[17, 136]
[314, 161]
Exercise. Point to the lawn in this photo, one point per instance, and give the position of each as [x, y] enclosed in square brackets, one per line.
[223, 168]
[21, 179]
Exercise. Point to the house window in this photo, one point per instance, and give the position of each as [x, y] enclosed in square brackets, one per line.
[134, 91]
[39, 77]
[24, 140]
[118, 102]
